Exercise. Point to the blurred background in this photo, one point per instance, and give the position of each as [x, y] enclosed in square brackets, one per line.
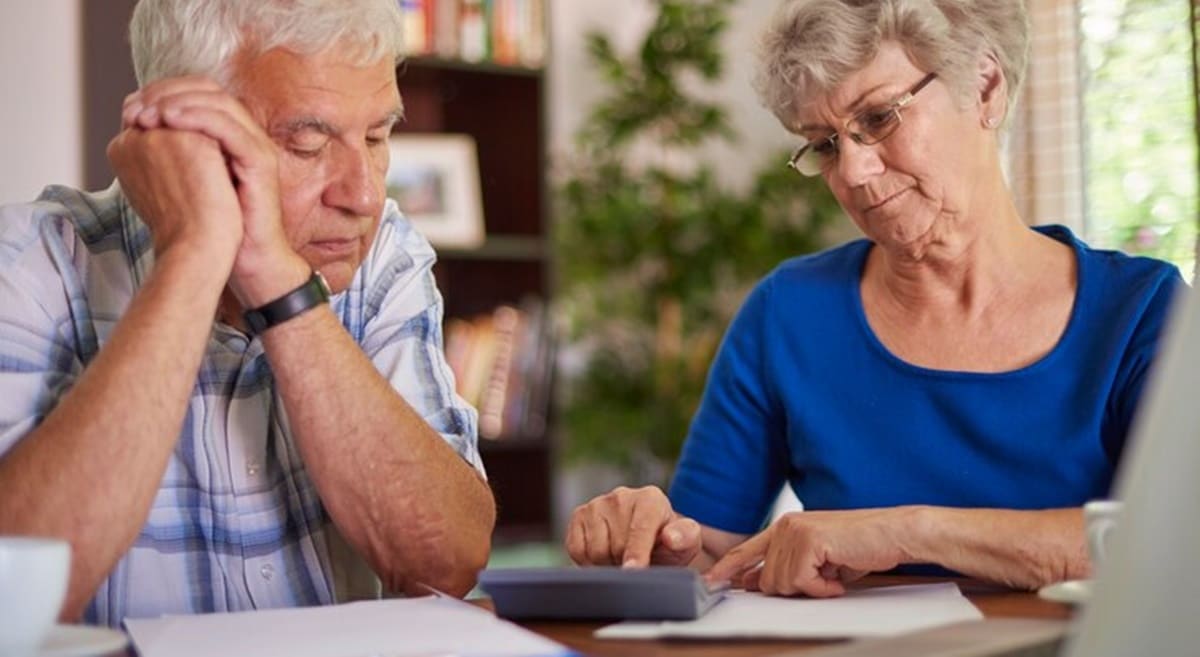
[632, 190]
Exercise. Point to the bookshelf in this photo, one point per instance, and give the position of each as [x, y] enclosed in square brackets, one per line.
[501, 106]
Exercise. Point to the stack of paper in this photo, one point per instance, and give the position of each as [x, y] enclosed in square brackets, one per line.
[391, 628]
[869, 612]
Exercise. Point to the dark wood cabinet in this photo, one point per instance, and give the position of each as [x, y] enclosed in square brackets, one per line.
[107, 78]
[502, 108]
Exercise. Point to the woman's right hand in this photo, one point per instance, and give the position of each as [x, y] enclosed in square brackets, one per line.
[631, 527]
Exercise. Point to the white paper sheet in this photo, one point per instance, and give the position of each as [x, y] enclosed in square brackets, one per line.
[422, 627]
[870, 612]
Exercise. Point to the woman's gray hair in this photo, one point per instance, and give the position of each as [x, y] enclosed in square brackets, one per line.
[811, 46]
[201, 37]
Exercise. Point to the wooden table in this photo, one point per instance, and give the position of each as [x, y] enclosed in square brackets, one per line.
[993, 601]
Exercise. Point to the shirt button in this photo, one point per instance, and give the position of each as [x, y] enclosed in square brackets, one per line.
[252, 468]
[267, 571]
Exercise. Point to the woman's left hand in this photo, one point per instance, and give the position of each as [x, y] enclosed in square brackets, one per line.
[816, 553]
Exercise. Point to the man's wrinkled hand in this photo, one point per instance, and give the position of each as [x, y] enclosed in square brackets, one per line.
[200, 105]
[179, 185]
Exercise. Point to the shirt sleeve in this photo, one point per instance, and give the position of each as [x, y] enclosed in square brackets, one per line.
[1163, 294]
[735, 457]
[402, 333]
[38, 355]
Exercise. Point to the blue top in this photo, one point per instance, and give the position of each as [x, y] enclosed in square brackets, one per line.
[803, 391]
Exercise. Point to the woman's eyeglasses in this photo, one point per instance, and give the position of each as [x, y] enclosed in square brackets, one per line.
[868, 127]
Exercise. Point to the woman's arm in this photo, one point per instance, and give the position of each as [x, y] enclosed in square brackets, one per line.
[816, 552]
[1020, 549]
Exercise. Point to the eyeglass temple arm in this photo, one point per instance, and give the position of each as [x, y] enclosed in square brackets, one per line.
[913, 92]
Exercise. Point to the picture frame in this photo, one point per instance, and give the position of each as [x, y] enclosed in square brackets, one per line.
[434, 178]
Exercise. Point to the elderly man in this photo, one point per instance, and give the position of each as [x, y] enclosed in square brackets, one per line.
[180, 398]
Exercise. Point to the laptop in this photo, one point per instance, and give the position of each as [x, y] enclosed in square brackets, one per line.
[1146, 599]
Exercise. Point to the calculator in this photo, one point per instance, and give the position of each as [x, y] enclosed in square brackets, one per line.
[600, 592]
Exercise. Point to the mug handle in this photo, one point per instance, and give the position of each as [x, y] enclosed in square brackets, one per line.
[1097, 535]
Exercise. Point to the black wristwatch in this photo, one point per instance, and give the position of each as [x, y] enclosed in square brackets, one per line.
[314, 292]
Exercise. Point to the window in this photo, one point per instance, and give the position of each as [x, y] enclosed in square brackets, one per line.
[1139, 124]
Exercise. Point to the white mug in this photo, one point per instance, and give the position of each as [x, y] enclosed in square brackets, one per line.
[1100, 517]
[33, 583]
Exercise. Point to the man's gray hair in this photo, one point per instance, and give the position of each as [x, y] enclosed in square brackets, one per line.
[811, 46]
[201, 37]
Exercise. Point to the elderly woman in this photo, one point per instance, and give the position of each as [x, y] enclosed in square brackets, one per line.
[948, 390]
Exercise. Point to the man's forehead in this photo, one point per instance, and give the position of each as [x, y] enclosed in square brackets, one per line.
[280, 71]
[288, 92]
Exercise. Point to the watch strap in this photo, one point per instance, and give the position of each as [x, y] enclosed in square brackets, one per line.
[311, 294]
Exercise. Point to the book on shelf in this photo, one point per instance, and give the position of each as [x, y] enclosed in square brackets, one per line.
[444, 29]
[503, 364]
[414, 22]
[508, 32]
[540, 371]
[493, 397]
[472, 31]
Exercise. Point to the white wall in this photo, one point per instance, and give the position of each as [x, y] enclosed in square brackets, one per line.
[41, 129]
[574, 88]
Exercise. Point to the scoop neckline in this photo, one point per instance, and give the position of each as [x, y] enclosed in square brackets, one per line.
[1054, 231]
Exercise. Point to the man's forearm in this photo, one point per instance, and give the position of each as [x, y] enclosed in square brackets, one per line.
[89, 472]
[411, 506]
[1021, 549]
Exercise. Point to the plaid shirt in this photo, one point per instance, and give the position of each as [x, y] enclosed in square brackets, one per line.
[237, 523]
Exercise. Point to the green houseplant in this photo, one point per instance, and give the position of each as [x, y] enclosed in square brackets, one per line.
[654, 254]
